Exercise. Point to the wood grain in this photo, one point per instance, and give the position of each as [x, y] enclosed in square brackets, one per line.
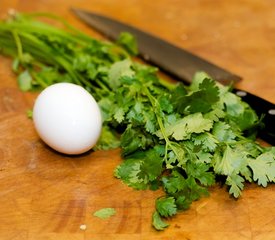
[47, 195]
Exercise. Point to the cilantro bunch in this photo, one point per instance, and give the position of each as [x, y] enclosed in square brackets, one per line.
[185, 139]
[180, 138]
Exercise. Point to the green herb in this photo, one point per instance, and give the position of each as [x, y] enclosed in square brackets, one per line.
[29, 113]
[128, 41]
[24, 81]
[175, 137]
[105, 213]
[157, 222]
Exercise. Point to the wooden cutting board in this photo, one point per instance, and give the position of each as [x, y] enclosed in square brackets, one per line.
[46, 195]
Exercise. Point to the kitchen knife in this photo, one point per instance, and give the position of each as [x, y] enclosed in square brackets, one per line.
[180, 64]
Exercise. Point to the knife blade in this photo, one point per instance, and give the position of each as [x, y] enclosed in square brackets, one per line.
[181, 64]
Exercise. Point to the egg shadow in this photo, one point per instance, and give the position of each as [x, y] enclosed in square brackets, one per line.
[64, 155]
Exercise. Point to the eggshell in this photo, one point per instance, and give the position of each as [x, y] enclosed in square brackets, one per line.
[67, 118]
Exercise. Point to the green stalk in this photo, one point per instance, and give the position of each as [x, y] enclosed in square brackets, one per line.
[64, 22]
[39, 80]
[155, 105]
[18, 44]
[24, 34]
[35, 27]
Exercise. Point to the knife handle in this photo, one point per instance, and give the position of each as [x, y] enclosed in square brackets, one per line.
[261, 107]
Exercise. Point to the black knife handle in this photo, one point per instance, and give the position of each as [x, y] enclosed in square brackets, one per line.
[261, 107]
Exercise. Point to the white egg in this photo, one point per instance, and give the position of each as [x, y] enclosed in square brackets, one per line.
[67, 118]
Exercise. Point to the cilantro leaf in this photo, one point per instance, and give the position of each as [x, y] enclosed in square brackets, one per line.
[204, 156]
[157, 222]
[153, 163]
[202, 99]
[234, 106]
[173, 183]
[150, 122]
[108, 139]
[166, 206]
[178, 95]
[133, 139]
[239, 112]
[130, 173]
[231, 161]
[201, 172]
[165, 104]
[81, 62]
[263, 168]
[223, 132]
[216, 114]
[25, 81]
[186, 190]
[183, 128]
[183, 202]
[142, 168]
[193, 190]
[207, 141]
[236, 185]
[119, 115]
[128, 41]
[197, 79]
[175, 155]
[118, 70]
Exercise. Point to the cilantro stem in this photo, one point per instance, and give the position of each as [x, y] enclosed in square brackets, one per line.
[64, 22]
[18, 44]
[155, 105]
[39, 80]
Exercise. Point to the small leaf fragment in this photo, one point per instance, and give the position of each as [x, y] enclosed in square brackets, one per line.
[105, 213]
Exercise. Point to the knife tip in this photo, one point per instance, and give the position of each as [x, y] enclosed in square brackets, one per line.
[77, 11]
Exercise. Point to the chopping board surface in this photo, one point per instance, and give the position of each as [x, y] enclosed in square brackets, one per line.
[47, 195]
